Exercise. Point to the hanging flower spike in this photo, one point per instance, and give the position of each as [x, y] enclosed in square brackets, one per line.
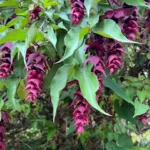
[5, 65]
[130, 27]
[77, 11]
[5, 118]
[80, 113]
[37, 67]
[143, 119]
[114, 51]
[35, 13]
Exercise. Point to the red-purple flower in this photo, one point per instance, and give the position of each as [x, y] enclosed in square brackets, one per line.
[80, 113]
[5, 65]
[37, 67]
[143, 119]
[5, 118]
[35, 12]
[77, 11]
[114, 52]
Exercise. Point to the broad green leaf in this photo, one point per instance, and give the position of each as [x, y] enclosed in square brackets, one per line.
[2, 83]
[116, 88]
[50, 14]
[11, 85]
[88, 5]
[18, 21]
[142, 95]
[70, 129]
[93, 20]
[84, 31]
[14, 35]
[59, 26]
[9, 3]
[112, 146]
[140, 108]
[63, 16]
[48, 3]
[31, 35]
[89, 85]
[125, 111]
[109, 29]
[125, 141]
[3, 28]
[72, 42]
[57, 84]
[51, 133]
[22, 49]
[51, 36]
[1, 104]
[21, 92]
[134, 2]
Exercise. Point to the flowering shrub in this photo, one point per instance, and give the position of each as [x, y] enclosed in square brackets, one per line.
[74, 74]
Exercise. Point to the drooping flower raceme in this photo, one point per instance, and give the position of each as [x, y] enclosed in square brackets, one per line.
[5, 118]
[35, 12]
[37, 67]
[81, 112]
[77, 11]
[114, 52]
[126, 18]
[5, 60]
[143, 119]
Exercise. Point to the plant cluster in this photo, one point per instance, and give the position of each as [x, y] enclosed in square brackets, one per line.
[74, 71]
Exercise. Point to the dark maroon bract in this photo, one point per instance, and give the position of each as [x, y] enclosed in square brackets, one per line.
[5, 60]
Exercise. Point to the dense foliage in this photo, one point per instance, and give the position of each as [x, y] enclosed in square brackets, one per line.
[74, 74]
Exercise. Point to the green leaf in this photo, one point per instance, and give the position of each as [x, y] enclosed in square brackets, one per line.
[1, 104]
[57, 84]
[134, 2]
[70, 129]
[125, 141]
[11, 85]
[22, 49]
[2, 83]
[89, 85]
[93, 20]
[63, 16]
[109, 29]
[8, 3]
[50, 14]
[142, 95]
[21, 92]
[14, 35]
[88, 5]
[51, 133]
[140, 108]
[72, 42]
[125, 111]
[3, 28]
[84, 31]
[116, 88]
[51, 36]
[112, 146]
[48, 3]
[31, 36]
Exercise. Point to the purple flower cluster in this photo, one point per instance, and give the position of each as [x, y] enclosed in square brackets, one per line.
[80, 113]
[77, 11]
[103, 53]
[5, 118]
[143, 119]
[127, 20]
[35, 12]
[5, 60]
[37, 67]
